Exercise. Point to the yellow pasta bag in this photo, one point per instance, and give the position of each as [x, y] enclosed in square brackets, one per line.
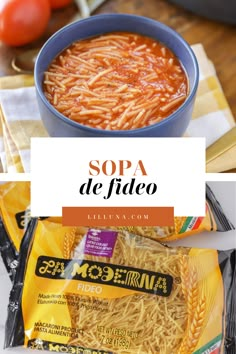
[14, 218]
[15, 209]
[113, 292]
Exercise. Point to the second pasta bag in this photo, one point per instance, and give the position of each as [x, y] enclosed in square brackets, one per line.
[15, 209]
[110, 291]
[14, 219]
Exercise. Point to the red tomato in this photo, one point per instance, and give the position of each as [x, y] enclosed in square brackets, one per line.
[57, 4]
[23, 21]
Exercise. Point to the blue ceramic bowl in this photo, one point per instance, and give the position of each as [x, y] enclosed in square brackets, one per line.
[58, 125]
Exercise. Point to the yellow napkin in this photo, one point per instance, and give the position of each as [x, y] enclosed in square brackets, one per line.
[20, 118]
[212, 117]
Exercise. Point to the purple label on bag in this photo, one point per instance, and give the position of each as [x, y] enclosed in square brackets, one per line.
[100, 242]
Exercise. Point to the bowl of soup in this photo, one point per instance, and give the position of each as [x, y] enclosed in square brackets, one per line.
[116, 75]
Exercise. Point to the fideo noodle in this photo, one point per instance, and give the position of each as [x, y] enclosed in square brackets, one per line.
[116, 81]
[109, 292]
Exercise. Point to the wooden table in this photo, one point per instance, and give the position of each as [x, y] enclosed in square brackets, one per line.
[219, 40]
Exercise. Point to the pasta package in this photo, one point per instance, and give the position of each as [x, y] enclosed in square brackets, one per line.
[214, 220]
[15, 209]
[14, 218]
[113, 292]
[7, 252]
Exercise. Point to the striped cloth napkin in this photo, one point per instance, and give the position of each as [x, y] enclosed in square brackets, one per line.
[20, 120]
[212, 117]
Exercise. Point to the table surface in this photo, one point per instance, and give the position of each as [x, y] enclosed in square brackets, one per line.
[218, 39]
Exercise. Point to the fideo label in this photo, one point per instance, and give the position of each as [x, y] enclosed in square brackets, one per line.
[108, 172]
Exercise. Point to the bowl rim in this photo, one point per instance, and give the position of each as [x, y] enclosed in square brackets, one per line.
[122, 133]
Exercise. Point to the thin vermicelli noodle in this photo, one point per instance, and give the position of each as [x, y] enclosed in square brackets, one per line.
[138, 314]
[116, 81]
[157, 232]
